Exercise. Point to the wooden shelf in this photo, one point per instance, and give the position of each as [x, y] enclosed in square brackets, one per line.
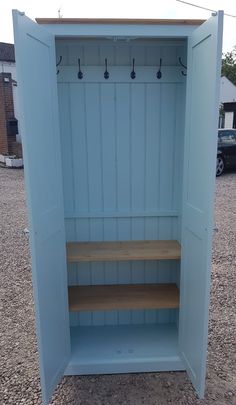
[122, 251]
[123, 296]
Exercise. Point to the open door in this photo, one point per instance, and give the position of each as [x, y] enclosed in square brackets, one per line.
[36, 74]
[202, 104]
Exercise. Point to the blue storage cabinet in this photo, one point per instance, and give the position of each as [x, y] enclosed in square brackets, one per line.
[119, 148]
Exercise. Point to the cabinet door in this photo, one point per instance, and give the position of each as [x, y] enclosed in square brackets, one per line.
[36, 73]
[202, 103]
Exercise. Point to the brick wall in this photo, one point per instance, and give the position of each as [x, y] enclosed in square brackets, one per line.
[3, 126]
[7, 142]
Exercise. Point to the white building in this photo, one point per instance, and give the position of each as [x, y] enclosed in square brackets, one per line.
[227, 91]
[228, 95]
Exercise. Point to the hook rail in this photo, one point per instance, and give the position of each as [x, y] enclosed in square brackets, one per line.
[151, 72]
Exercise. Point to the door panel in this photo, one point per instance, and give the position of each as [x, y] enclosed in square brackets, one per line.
[36, 74]
[204, 57]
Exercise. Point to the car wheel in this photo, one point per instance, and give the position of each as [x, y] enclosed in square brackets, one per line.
[220, 165]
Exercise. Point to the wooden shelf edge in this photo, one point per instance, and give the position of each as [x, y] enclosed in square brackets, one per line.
[123, 296]
[123, 251]
[130, 21]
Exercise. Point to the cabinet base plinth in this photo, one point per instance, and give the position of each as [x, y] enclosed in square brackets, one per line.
[124, 349]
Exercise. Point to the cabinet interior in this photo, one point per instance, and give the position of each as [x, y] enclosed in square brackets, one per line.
[122, 154]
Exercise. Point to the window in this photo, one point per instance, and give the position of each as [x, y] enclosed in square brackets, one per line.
[227, 137]
[12, 127]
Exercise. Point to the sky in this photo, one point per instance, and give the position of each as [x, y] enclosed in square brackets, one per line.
[118, 9]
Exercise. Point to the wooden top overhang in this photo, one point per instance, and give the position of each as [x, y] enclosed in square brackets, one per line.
[128, 21]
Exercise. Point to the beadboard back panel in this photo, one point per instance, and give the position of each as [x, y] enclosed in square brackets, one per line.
[122, 146]
[92, 52]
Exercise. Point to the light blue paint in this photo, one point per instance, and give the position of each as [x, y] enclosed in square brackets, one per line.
[119, 156]
[122, 349]
[42, 161]
[134, 155]
[121, 145]
[120, 30]
[204, 53]
[119, 53]
[122, 214]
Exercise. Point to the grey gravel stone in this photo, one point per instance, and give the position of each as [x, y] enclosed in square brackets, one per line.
[19, 378]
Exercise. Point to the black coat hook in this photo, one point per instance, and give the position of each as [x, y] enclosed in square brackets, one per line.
[159, 74]
[80, 73]
[106, 73]
[184, 66]
[133, 74]
[58, 63]
[181, 63]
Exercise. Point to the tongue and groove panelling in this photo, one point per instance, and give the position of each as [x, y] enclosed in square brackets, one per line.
[122, 166]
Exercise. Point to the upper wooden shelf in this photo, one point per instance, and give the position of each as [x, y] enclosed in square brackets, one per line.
[123, 251]
[123, 296]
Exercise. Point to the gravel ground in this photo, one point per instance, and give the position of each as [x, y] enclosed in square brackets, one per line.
[19, 360]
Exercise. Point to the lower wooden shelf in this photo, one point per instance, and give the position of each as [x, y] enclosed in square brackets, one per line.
[123, 251]
[123, 296]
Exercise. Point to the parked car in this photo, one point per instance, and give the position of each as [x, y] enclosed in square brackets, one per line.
[226, 152]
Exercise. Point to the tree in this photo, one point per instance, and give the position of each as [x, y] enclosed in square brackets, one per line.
[229, 65]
